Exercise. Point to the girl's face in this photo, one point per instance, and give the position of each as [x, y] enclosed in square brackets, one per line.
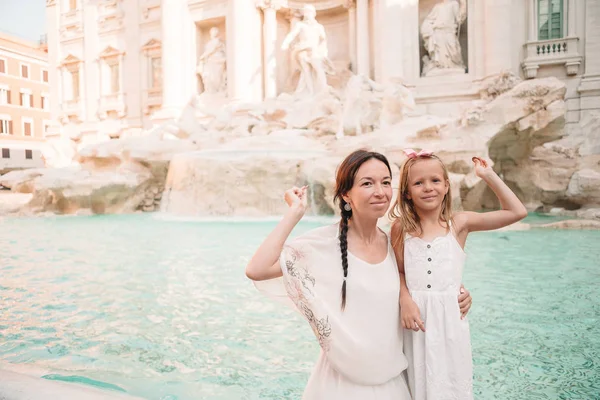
[372, 190]
[427, 186]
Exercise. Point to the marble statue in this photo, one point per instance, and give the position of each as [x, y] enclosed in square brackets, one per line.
[369, 105]
[440, 31]
[307, 42]
[212, 64]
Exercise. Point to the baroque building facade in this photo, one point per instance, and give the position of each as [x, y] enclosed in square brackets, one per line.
[123, 66]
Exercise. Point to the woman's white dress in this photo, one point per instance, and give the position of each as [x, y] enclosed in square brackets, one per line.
[440, 363]
[361, 347]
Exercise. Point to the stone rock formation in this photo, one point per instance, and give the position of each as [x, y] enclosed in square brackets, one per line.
[238, 159]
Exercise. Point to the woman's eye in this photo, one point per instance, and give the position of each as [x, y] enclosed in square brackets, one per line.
[367, 184]
[387, 183]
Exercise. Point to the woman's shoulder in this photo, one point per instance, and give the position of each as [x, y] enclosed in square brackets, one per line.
[317, 235]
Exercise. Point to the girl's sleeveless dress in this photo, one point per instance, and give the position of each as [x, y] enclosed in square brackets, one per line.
[440, 364]
[361, 347]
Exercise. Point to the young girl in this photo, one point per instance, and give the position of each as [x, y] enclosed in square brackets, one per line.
[428, 241]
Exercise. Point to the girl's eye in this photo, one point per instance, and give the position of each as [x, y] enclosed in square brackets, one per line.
[417, 183]
[436, 180]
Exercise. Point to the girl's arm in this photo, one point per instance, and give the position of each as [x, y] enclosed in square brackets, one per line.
[264, 264]
[512, 208]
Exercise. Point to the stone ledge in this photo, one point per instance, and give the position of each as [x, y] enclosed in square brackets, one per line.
[16, 386]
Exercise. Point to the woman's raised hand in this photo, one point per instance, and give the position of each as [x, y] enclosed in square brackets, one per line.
[296, 198]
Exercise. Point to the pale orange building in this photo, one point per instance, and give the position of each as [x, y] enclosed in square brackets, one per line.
[24, 102]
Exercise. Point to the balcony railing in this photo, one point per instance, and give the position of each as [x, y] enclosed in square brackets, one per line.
[71, 17]
[552, 52]
[71, 108]
[152, 99]
[113, 102]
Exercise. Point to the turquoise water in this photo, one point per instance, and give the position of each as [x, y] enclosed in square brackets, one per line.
[161, 309]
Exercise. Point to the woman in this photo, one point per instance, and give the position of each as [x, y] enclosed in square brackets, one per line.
[344, 279]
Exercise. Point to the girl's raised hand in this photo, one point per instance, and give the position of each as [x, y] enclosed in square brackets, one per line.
[482, 167]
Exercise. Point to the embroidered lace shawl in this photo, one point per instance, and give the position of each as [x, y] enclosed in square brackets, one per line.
[363, 342]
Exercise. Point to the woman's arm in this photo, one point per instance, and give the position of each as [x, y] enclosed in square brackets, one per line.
[264, 264]
[512, 208]
[410, 315]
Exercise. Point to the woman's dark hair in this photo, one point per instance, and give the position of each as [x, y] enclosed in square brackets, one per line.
[344, 181]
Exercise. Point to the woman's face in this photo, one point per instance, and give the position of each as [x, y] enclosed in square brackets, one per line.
[371, 193]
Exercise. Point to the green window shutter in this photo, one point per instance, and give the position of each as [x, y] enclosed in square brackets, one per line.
[556, 19]
[550, 19]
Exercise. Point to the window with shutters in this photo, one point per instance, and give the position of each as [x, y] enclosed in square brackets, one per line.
[5, 126]
[29, 154]
[26, 99]
[550, 19]
[114, 78]
[24, 71]
[5, 153]
[2, 66]
[155, 72]
[27, 131]
[75, 84]
[45, 76]
[4, 96]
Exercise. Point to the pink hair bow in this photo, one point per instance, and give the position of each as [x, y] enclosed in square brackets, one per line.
[410, 153]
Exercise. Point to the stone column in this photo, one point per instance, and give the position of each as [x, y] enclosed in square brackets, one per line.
[244, 80]
[532, 21]
[351, 6]
[362, 37]
[391, 40]
[498, 18]
[55, 70]
[270, 8]
[590, 84]
[172, 55]
[571, 19]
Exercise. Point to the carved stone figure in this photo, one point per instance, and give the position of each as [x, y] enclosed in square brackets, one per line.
[307, 42]
[440, 31]
[212, 64]
[368, 105]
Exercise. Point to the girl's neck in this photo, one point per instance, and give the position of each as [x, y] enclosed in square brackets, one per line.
[429, 219]
[364, 229]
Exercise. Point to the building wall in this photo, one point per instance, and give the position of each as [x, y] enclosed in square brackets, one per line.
[24, 117]
[89, 39]
[498, 36]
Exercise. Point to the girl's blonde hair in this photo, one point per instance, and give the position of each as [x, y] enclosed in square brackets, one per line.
[404, 216]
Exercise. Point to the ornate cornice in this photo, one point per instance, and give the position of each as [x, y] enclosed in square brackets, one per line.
[274, 4]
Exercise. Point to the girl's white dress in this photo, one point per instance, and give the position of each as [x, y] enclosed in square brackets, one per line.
[440, 363]
[361, 347]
